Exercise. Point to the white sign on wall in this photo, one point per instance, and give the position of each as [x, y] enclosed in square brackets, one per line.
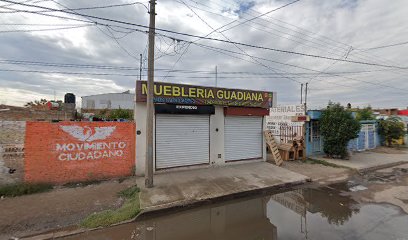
[280, 121]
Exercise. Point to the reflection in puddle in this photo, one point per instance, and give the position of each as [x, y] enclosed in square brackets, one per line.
[301, 214]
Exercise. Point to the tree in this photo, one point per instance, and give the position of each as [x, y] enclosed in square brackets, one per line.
[391, 129]
[121, 114]
[337, 127]
[365, 114]
[36, 103]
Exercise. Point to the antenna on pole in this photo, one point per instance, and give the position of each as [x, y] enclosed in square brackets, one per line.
[306, 97]
[141, 66]
[216, 76]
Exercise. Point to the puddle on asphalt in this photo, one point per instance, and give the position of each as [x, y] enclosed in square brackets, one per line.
[323, 213]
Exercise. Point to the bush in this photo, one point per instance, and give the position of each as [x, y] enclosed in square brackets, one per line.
[365, 114]
[121, 114]
[127, 211]
[337, 127]
[391, 129]
[18, 189]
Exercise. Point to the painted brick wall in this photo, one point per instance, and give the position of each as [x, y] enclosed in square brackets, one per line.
[78, 151]
[12, 151]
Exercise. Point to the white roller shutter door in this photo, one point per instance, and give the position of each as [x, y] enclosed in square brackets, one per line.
[243, 138]
[182, 140]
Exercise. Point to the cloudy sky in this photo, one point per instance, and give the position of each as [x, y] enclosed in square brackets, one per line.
[49, 53]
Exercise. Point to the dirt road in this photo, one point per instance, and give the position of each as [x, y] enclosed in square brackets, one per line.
[30, 214]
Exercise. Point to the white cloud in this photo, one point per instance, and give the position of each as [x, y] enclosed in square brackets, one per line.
[325, 28]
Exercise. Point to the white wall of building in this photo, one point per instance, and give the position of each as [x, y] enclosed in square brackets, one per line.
[109, 101]
[216, 139]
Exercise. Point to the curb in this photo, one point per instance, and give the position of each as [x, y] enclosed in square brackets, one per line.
[175, 206]
[374, 168]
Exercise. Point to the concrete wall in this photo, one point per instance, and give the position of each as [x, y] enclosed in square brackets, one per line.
[12, 151]
[216, 138]
[109, 101]
[78, 151]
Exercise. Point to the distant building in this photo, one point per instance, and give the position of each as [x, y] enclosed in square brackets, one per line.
[125, 100]
[387, 111]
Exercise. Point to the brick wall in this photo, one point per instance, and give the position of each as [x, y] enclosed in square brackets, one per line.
[12, 151]
[78, 151]
[26, 114]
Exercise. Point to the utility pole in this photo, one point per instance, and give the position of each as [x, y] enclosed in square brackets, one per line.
[301, 93]
[141, 66]
[150, 96]
[216, 76]
[306, 98]
[304, 128]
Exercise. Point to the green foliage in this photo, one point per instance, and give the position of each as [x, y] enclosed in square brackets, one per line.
[129, 210]
[18, 189]
[129, 192]
[391, 129]
[121, 113]
[365, 114]
[337, 127]
[321, 162]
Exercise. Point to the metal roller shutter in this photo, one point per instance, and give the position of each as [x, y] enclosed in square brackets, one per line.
[243, 138]
[182, 140]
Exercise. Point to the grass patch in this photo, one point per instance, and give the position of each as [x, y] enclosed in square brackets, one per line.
[127, 211]
[129, 193]
[322, 162]
[18, 189]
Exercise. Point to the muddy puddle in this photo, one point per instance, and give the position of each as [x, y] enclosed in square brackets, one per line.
[311, 213]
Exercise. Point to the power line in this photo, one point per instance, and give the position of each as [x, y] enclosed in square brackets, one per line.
[385, 46]
[83, 8]
[264, 14]
[44, 30]
[109, 28]
[130, 68]
[216, 39]
[358, 80]
[229, 40]
[196, 36]
[311, 35]
[208, 74]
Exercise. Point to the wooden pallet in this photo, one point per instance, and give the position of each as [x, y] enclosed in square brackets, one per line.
[270, 140]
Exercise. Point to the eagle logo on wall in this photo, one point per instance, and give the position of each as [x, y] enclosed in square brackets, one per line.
[87, 133]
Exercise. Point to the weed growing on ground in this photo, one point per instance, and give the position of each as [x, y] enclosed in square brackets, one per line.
[322, 162]
[129, 192]
[18, 189]
[127, 211]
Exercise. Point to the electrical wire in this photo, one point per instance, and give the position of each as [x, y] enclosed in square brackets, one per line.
[83, 8]
[45, 29]
[216, 39]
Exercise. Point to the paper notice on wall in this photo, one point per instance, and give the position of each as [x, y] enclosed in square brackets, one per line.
[280, 122]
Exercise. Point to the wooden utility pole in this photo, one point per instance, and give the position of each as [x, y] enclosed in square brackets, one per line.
[150, 96]
[301, 93]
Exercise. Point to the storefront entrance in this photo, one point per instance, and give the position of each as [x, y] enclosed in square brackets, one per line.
[182, 140]
[243, 138]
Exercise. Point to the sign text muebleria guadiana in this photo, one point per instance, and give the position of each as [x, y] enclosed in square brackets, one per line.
[201, 95]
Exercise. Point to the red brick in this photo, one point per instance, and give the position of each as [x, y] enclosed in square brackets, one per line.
[42, 162]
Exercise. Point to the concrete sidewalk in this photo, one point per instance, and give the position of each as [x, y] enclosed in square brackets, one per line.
[181, 188]
[368, 161]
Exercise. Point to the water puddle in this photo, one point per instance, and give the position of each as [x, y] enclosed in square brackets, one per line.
[322, 213]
